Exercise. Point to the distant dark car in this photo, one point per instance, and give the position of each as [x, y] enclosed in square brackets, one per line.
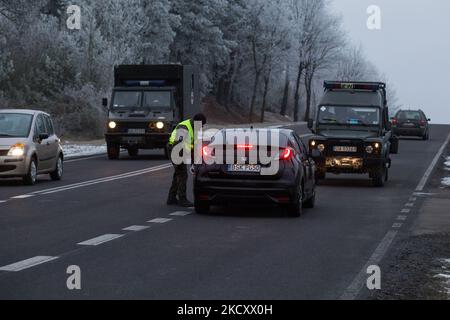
[292, 185]
[411, 123]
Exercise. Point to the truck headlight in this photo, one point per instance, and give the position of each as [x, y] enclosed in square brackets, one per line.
[17, 150]
[112, 124]
[321, 147]
[369, 149]
[160, 125]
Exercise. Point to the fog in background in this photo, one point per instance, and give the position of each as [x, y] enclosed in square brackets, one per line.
[412, 49]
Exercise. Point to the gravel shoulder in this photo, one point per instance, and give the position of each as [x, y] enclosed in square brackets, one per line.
[418, 265]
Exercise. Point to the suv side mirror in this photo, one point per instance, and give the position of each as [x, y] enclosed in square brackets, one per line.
[43, 136]
[429, 120]
[105, 102]
[310, 124]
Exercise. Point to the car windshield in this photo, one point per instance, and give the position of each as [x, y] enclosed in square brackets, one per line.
[127, 99]
[349, 116]
[15, 125]
[157, 99]
[409, 115]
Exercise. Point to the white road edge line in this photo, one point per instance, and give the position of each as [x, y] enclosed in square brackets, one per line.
[357, 284]
[28, 263]
[100, 240]
[430, 169]
[23, 196]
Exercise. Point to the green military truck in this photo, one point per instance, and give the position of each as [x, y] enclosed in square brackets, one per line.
[352, 131]
[146, 104]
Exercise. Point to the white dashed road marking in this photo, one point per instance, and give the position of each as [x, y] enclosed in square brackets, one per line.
[180, 213]
[406, 210]
[100, 240]
[135, 228]
[402, 218]
[2, 201]
[25, 264]
[410, 205]
[397, 225]
[412, 199]
[159, 220]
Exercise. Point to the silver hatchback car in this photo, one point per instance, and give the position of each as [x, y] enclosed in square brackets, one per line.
[29, 146]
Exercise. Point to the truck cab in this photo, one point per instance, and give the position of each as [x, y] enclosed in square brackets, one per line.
[352, 131]
[147, 102]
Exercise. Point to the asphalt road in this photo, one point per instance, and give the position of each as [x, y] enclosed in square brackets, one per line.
[234, 253]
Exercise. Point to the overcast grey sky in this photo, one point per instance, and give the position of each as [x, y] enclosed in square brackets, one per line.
[412, 48]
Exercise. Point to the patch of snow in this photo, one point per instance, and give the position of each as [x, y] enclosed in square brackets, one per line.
[82, 150]
[446, 182]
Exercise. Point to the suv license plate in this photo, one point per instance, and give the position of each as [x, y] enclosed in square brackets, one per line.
[244, 168]
[136, 131]
[345, 149]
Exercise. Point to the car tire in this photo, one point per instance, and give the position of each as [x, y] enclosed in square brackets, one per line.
[31, 177]
[311, 202]
[202, 207]
[133, 152]
[59, 170]
[295, 209]
[379, 177]
[426, 137]
[113, 151]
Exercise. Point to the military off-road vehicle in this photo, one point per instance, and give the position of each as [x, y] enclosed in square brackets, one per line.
[147, 102]
[352, 131]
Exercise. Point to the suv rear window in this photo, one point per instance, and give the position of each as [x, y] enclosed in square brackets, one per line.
[409, 115]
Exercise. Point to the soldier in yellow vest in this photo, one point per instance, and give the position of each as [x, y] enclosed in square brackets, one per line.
[180, 176]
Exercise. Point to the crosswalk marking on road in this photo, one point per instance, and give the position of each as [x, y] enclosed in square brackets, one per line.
[28, 263]
[180, 213]
[159, 220]
[135, 228]
[100, 240]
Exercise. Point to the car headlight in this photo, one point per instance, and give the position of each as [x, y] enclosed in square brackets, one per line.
[17, 150]
[377, 145]
[369, 149]
[313, 143]
[160, 125]
[112, 124]
[321, 147]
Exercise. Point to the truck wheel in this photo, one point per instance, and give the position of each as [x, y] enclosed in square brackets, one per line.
[113, 151]
[379, 177]
[133, 152]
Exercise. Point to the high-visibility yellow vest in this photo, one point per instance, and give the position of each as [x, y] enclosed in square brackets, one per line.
[188, 125]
